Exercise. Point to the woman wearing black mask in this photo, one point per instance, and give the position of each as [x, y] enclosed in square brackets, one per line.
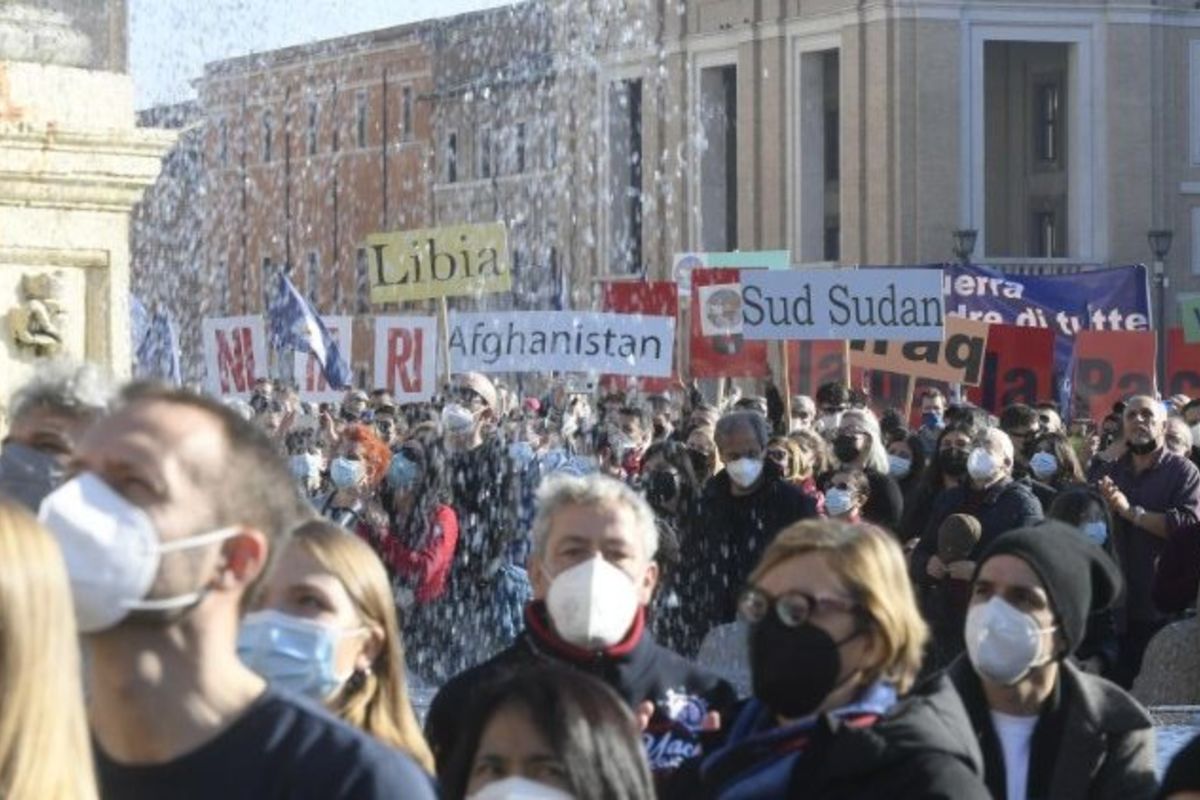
[669, 483]
[948, 468]
[835, 642]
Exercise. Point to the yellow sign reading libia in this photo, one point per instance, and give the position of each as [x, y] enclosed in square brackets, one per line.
[439, 262]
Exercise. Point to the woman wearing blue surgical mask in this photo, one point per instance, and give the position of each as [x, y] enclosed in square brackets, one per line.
[1054, 466]
[418, 537]
[325, 627]
[356, 469]
[1083, 507]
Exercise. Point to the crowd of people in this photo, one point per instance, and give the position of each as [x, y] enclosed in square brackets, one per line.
[614, 594]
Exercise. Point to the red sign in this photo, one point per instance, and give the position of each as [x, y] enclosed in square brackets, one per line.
[1018, 367]
[729, 356]
[1111, 366]
[235, 354]
[1183, 365]
[653, 298]
[814, 362]
[406, 357]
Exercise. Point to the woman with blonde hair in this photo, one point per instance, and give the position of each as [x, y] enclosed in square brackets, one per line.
[325, 626]
[45, 751]
[859, 444]
[835, 641]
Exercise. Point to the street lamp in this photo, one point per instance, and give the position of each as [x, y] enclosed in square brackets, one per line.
[964, 244]
[1160, 245]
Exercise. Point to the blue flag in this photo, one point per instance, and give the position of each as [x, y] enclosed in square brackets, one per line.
[293, 324]
[155, 344]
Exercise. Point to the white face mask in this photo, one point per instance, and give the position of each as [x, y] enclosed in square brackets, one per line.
[1043, 466]
[899, 467]
[592, 604]
[516, 787]
[745, 471]
[112, 551]
[828, 424]
[838, 502]
[981, 465]
[457, 419]
[1004, 644]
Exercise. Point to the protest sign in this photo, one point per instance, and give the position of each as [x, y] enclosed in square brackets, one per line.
[957, 359]
[565, 341]
[684, 263]
[309, 375]
[1189, 313]
[887, 304]
[814, 362]
[653, 298]
[235, 354]
[1018, 368]
[721, 356]
[720, 309]
[1183, 365]
[438, 262]
[1111, 366]
[406, 357]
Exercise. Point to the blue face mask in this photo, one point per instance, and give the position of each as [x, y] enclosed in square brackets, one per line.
[931, 419]
[291, 653]
[402, 472]
[1097, 531]
[521, 453]
[345, 473]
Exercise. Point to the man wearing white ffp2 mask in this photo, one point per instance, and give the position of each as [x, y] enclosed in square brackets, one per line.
[1046, 728]
[593, 574]
[165, 531]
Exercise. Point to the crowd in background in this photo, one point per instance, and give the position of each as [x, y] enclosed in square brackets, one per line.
[615, 594]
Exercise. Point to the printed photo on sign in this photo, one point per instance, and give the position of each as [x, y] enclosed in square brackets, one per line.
[438, 262]
[406, 357]
[567, 341]
[720, 309]
[235, 354]
[308, 373]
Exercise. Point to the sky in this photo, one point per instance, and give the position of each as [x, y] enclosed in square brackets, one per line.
[171, 40]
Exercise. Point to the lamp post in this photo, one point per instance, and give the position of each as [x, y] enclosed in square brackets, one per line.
[964, 244]
[1160, 245]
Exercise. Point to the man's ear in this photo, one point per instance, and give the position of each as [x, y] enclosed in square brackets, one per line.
[648, 584]
[244, 558]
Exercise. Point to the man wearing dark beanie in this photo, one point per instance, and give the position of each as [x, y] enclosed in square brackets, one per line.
[1046, 728]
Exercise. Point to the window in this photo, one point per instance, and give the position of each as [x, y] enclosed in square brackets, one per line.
[267, 276]
[362, 281]
[223, 141]
[268, 132]
[1045, 235]
[452, 158]
[360, 118]
[311, 134]
[406, 113]
[718, 160]
[519, 148]
[625, 176]
[484, 144]
[832, 146]
[833, 242]
[312, 279]
[1049, 121]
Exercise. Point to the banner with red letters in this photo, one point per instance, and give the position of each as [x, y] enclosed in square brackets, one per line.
[308, 373]
[1018, 367]
[406, 357]
[1111, 366]
[235, 354]
[1183, 365]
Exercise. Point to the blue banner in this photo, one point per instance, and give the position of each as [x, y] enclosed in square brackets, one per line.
[1113, 299]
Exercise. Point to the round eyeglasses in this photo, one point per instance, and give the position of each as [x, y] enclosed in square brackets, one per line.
[792, 608]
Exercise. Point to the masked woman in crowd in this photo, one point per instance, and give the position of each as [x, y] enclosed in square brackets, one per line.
[357, 468]
[859, 445]
[1054, 464]
[325, 627]
[797, 457]
[45, 751]
[702, 449]
[547, 733]
[835, 643]
[946, 470]
[670, 487]
[906, 465]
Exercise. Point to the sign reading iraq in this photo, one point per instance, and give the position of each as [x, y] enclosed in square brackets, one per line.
[890, 304]
[438, 262]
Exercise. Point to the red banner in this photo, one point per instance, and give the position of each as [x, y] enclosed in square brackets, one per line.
[729, 356]
[814, 362]
[1111, 366]
[653, 298]
[1183, 365]
[1018, 368]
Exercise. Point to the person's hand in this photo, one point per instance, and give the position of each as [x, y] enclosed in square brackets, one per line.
[935, 568]
[961, 570]
[1114, 497]
[643, 714]
[1114, 451]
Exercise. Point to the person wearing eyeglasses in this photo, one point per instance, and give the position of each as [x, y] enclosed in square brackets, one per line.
[835, 643]
[1154, 496]
[847, 492]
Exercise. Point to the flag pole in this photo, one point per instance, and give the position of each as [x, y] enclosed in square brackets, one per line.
[444, 338]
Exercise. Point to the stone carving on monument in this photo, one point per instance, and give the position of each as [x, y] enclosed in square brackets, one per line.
[39, 324]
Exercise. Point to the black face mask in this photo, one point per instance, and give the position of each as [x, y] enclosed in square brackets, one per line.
[1143, 449]
[701, 462]
[662, 486]
[953, 463]
[660, 431]
[846, 448]
[793, 670]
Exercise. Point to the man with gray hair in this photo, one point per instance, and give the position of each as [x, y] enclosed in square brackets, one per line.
[593, 574]
[46, 417]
